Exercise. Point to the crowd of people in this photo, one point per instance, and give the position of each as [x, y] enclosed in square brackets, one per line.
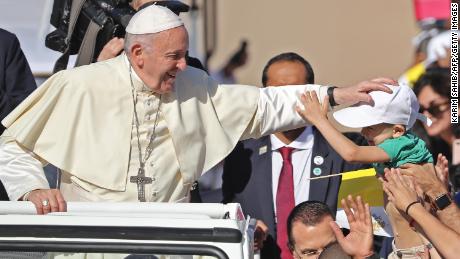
[141, 124]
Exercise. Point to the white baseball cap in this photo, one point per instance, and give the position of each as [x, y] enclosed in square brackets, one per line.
[399, 107]
[153, 19]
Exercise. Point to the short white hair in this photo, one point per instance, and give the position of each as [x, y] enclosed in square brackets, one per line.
[145, 40]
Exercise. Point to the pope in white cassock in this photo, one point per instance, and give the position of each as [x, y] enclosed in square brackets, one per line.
[141, 126]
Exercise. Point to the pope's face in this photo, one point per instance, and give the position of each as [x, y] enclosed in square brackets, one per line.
[165, 59]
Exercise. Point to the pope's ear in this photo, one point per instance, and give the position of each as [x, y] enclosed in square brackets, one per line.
[136, 55]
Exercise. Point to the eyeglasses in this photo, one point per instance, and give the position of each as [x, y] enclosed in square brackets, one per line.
[309, 253]
[435, 109]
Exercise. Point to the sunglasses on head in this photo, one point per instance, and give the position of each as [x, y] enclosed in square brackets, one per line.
[434, 109]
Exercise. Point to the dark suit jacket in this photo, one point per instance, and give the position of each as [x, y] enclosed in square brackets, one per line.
[16, 79]
[247, 179]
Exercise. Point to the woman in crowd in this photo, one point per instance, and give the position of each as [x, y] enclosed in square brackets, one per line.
[433, 93]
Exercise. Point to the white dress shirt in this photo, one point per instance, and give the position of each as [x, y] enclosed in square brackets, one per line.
[301, 160]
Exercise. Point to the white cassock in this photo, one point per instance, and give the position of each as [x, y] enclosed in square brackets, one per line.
[82, 121]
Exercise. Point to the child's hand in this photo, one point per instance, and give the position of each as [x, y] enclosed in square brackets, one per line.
[313, 111]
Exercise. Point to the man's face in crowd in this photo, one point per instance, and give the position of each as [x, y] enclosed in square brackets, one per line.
[286, 73]
[310, 241]
[165, 59]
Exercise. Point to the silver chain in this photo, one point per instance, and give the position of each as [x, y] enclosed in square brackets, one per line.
[149, 149]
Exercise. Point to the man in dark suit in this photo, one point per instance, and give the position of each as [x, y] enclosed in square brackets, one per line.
[16, 80]
[252, 172]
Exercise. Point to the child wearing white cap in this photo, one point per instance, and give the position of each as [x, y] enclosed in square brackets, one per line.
[386, 125]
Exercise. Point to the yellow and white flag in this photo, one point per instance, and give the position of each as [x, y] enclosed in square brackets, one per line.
[362, 183]
[365, 184]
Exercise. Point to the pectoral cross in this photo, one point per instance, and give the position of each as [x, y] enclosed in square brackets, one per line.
[141, 181]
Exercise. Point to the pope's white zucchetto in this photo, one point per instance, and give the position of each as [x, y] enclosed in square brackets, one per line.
[153, 19]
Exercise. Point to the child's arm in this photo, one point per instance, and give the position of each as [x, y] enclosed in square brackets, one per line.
[317, 115]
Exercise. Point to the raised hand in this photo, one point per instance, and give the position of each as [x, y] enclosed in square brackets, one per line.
[359, 242]
[442, 169]
[425, 177]
[313, 111]
[360, 92]
[400, 190]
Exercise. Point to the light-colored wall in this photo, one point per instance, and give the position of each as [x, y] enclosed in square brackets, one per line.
[345, 41]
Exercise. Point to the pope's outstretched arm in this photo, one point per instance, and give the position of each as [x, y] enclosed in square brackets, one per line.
[21, 170]
[276, 105]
